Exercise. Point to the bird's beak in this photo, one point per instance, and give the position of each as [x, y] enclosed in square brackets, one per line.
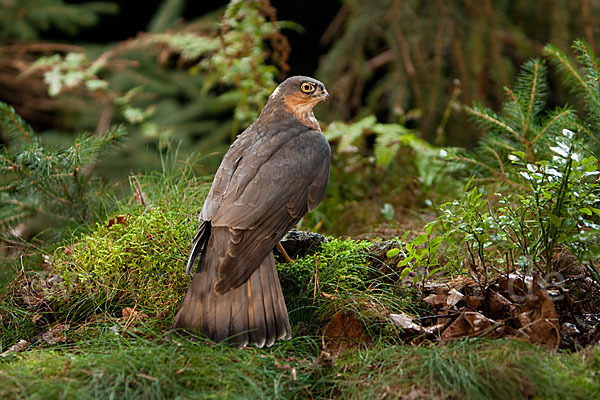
[325, 96]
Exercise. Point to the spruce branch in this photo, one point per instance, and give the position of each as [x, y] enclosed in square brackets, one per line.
[48, 184]
[562, 62]
[491, 118]
[556, 118]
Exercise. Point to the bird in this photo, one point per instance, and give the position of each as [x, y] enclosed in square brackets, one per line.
[272, 175]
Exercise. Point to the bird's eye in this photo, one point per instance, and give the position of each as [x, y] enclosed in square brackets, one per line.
[307, 87]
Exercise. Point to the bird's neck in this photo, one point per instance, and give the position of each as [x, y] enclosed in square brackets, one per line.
[303, 111]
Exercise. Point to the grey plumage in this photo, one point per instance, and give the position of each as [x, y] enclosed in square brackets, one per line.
[273, 173]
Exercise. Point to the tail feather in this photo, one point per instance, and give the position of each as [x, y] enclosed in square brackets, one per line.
[267, 306]
[282, 325]
[256, 309]
[198, 247]
[239, 318]
[254, 312]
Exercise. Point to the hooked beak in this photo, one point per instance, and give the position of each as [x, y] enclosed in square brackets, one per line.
[325, 96]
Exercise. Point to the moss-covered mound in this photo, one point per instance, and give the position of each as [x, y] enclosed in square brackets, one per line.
[135, 258]
[138, 258]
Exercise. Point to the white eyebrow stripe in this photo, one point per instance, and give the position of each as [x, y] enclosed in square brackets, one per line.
[275, 92]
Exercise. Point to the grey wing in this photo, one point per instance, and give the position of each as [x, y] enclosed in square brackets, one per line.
[213, 200]
[267, 198]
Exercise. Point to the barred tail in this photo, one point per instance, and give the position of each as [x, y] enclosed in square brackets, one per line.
[254, 312]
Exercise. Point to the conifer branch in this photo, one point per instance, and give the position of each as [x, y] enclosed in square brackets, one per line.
[493, 121]
[532, 96]
[564, 62]
[515, 99]
[555, 119]
[500, 163]
[495, 173]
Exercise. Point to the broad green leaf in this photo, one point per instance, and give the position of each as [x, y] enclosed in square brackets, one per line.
[422, 238]
[392, 253]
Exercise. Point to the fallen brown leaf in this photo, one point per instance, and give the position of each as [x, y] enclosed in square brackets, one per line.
[538, 318]
[56, 334]
[469, 324]
[407, 323]
[18, 347]
[119, 219]
[343, 332]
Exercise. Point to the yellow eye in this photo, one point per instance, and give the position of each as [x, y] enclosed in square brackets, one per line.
[307, 87]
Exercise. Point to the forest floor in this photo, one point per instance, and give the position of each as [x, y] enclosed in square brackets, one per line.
[90, 317]
[511, 338]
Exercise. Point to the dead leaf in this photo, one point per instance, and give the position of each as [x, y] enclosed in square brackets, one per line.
[343, 332]
[56, 334]
[497, 306]
[468, 324]
[436, 300]
[18, 347]
[515, 286]
[454, 296]
[538, 318]
[119, 219]
[444, 298]
[405, 322]
[474, 302]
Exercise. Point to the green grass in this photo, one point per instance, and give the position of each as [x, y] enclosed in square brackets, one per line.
[6, 274]
[155, 365]
[472, 369]
[140, 263]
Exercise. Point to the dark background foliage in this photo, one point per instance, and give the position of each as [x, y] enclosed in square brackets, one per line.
[413, 65]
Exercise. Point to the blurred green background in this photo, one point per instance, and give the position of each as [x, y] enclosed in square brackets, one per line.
[192, 75]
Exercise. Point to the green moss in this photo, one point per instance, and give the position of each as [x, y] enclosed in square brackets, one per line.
[340, 277]
[137, 257]
[141, 260]
[340, 265]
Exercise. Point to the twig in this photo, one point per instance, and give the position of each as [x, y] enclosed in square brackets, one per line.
[317, 285]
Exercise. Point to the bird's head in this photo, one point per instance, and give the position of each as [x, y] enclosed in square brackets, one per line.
[299, 94]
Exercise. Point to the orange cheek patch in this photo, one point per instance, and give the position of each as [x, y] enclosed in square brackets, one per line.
[301, 106]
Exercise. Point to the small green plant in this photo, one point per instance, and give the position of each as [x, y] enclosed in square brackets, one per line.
[388, 138]
[465, 222]
[535, 187]
[419, 255]
[558, 209]
[231, 64]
